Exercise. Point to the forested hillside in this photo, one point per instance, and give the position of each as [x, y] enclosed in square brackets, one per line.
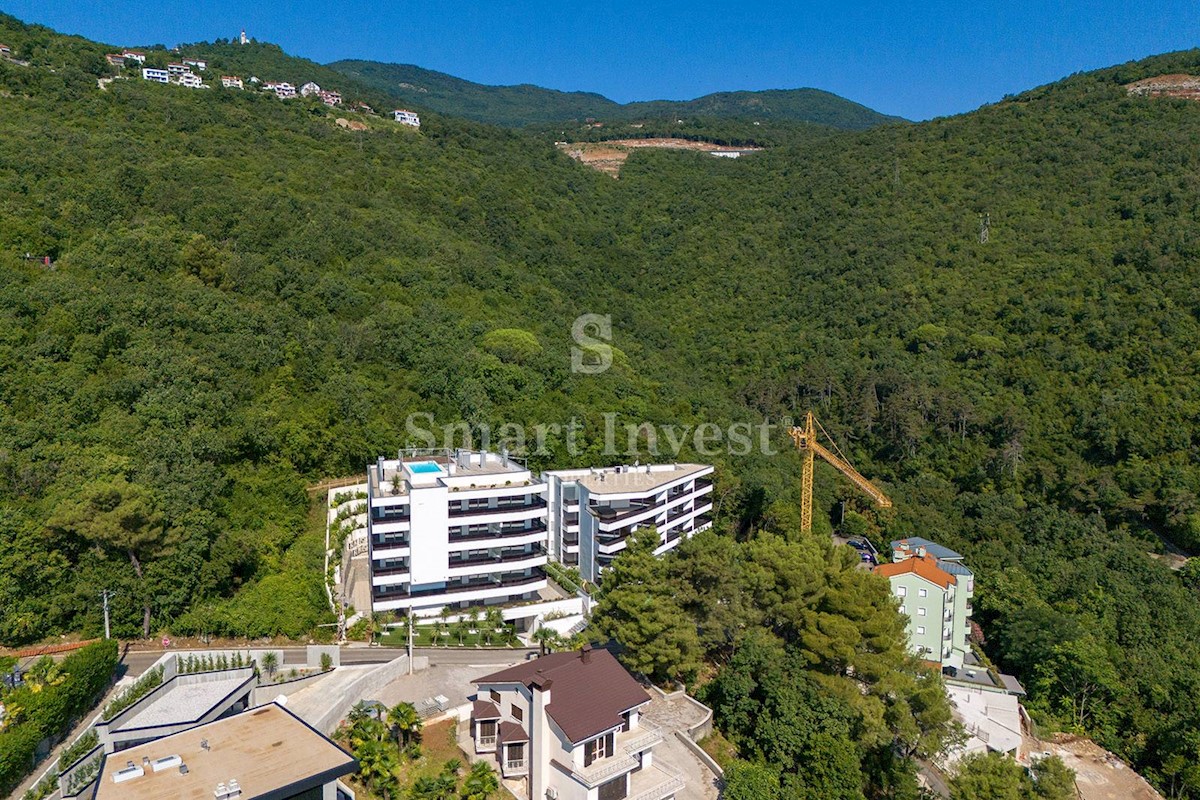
[246, 297]
[517, 106]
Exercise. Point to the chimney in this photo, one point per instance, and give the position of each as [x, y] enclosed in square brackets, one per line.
[539, 736]
[585, 654]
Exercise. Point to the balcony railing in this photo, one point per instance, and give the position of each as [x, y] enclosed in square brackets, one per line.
[514, 766]
[487, 741]
[389, 540]
[500, 508]
[502, 558]
[610, 514]
[499, 532]
[645, 737]
[401, 570]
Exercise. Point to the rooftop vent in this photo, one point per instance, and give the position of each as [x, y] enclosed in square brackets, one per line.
[128, 773]
[227, 791]
[166, 762]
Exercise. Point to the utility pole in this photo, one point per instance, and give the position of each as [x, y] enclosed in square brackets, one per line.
[985, 222]
[410, 640]
[104, 595]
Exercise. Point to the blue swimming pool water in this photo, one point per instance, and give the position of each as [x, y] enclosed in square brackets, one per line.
[425, 467]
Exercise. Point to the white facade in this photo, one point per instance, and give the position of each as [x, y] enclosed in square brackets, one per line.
[407, 117]
[454, 529]
[282, 90]
[177, 69]
[190, 80]
[990, 718]
[330, 98]
[133, 55]
[231, 81]
[309, 89]
[198, 63]
[158, 75]
[593, 511]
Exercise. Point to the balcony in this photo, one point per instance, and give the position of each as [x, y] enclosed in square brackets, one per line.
[400, 570]
[498, 531]
[537, 576]
[703, 483]
[389, 540]
[500, 508]
[571, 519]
[497, 558]
[514, 766]
[608, 514]
[654, 783]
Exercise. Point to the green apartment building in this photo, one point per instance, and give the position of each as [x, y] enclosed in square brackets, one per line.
[933, 589]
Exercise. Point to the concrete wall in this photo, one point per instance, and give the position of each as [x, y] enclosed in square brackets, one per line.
[315, 651]
[267, 692]
[368, 685]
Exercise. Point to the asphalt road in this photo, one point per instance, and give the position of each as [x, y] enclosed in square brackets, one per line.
[138, 661]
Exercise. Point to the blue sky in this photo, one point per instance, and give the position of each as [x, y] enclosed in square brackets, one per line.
[917, 60]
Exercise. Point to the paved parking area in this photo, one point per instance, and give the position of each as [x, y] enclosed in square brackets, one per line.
[451, 680]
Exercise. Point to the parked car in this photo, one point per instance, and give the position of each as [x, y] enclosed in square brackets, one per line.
[859, 544]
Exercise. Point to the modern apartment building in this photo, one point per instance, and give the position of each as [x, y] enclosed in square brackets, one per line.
[593, 511]
[935, 589]
[454, 529]
[569, 726]
[405, 117]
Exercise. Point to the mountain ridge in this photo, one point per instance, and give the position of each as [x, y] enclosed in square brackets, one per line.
[524, 104]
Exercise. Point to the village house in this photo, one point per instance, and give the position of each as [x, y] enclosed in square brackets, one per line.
[405, 117]
[231, 82]
[309, 89]
[569, 726]
[198, 63]
[157, 75]
[115, 60]
[190, 80]
[5, 50]
[330, 98]
[282, 90]
[133, 55]
[363, 108]
[177, 69]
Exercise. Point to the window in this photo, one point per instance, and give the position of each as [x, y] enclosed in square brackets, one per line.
[922, 592]
[902, 610]
[517, 713]
[495, 697]
[597, 748]
[625, 721]
[516, 756]
[613, 790]
[920, 630]
[487, 733]
[901, 591]
[920, 612]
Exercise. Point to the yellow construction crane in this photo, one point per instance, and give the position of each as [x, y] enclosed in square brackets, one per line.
[806, 442]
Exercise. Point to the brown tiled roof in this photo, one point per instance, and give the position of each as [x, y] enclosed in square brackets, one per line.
[926, 568]
[484, 709]
[586, 698]
[512, 732]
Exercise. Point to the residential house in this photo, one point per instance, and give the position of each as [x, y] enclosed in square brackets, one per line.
[5, 51]
[176, 69]
[363, 108]
[991, 719]
[405, 117]
[593, 511]
[133, 55]
[281, 90]
[196, 63]
[235, 757]
[454, 529]
[569, 726]
[309, 88]
[934, 589]
[115, 59]
[158, 75]
[330, 98]
[231, 82]
[190, 80]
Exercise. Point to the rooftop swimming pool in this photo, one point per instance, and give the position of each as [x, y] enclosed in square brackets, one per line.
[424, 467]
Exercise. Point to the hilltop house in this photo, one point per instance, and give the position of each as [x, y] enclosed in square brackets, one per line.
[157, 75]
[175, 69]
[190, 80]
[5, 50]
[133, 55]
[934, 589]
[569, 726]
[363, 108]
[198, 63]
[115, 60]
[405, 117]
[282, 90]
[330, 98]
[593, 511]
[231, 82]
[309, 88]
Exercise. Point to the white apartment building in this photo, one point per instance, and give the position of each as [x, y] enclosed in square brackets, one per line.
[190, 80]
[157, 75]
[330, 98]
[569, 726]
[177, 69]
[133, 55]
[593, 511]
[405, 117]
[282, 90]
[454, 529]
[231, 81]
[309, 88]
[197, 63]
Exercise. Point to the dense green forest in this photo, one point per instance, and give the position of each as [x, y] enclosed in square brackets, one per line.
[517, 106]
[245, 298]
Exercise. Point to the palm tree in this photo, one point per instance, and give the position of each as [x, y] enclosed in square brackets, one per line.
[461, 628]
[481, 782]
[405, 721]
[544, 636]
[436, 631]
[270, 662]
[377, 765]
[494, 621]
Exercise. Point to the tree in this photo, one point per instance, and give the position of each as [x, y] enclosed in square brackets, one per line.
[1077, 679]
[111, 512]
[1053, 780]
[270, 662]
[405, 721]
[544, 636]
[481, 782]
[989, 776]
[639, 610]
[748, 781]
[377, 766]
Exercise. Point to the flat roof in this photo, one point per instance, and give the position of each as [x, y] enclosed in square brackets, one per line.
[265, 749]
[185, 703]
[637, 479]
[940, 552]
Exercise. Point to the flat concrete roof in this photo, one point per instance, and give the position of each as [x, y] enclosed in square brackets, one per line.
[186, 703]
[264, 750]
[637, 479]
